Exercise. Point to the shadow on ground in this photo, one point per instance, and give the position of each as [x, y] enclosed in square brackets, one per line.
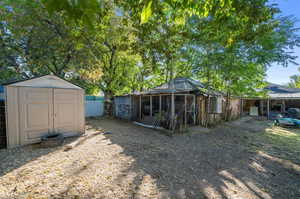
[14, 158]
[234, 160]
[215, 164]
[11, 159]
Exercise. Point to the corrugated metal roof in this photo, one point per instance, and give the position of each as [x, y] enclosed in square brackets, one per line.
[279, 91]
[275, 88]
[284, 95]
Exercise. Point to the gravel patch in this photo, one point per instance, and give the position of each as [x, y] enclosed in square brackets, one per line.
[135, 162]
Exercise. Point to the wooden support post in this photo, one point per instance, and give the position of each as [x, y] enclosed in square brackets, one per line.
[140, 108]
[261, 104]
[268, 108]
[159, 105]
[194, 109]
[283, 106]
[242, 107]
[151, 106]
[185, 111]
[172, 108]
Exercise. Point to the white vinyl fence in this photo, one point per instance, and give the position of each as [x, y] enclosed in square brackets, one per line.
[94, 108]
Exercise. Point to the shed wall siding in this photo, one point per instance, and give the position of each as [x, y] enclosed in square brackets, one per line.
[12, 116]
[15, 118]
[35, 113]
[81, 110]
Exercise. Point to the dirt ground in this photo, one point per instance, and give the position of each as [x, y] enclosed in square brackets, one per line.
[242, 159]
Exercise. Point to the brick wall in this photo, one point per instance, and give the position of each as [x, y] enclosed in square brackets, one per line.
[2, 125]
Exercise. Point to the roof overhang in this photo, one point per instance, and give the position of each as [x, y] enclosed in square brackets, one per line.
[45, 81]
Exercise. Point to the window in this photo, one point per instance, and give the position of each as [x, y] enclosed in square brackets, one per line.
[215, 105]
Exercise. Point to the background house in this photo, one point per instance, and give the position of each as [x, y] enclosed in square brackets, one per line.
[180, 102]
[279, 99]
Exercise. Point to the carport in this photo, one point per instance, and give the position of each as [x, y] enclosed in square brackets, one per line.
[278, 100]
[42, 105]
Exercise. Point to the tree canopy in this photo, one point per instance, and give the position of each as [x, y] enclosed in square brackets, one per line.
[123, 46]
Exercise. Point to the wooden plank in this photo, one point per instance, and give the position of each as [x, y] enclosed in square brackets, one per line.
[194, 108]
[172, 109]
[151, 105]
[242, 106]
[185, 111]
[199, 108]
[81, 139]
[261, 104]
[268, 108]
[283, 106]
[140, 111]
[203, 111]
[160, 105]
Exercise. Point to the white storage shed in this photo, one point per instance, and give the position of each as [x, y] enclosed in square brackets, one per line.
[42, 105]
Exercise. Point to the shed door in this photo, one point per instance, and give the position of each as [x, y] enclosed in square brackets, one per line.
[66, 111]
[36, 113]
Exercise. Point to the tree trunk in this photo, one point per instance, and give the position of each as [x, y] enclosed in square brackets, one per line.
[227, 107]
[108, 104]
[207, 112]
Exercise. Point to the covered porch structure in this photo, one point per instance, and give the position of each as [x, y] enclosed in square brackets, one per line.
[178, 104]
[170, 110]
[174, 105]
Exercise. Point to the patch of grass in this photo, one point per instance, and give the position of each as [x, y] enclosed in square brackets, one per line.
[287, 138]
[281, 142]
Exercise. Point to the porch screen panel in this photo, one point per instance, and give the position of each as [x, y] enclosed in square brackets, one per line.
[155, 105]
[146, 106]
[166, 106]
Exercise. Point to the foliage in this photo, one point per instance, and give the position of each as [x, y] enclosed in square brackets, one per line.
[124, 46]
[239, 68]
[294, 81]
[39, 44]
[84, 10]
[109, 48]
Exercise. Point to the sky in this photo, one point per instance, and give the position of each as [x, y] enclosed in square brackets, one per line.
[278, 74]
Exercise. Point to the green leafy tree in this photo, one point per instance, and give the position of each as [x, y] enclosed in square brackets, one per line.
[124, 46]
[294, 81]
[109, 47]
[238, 66]
[39, 44]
